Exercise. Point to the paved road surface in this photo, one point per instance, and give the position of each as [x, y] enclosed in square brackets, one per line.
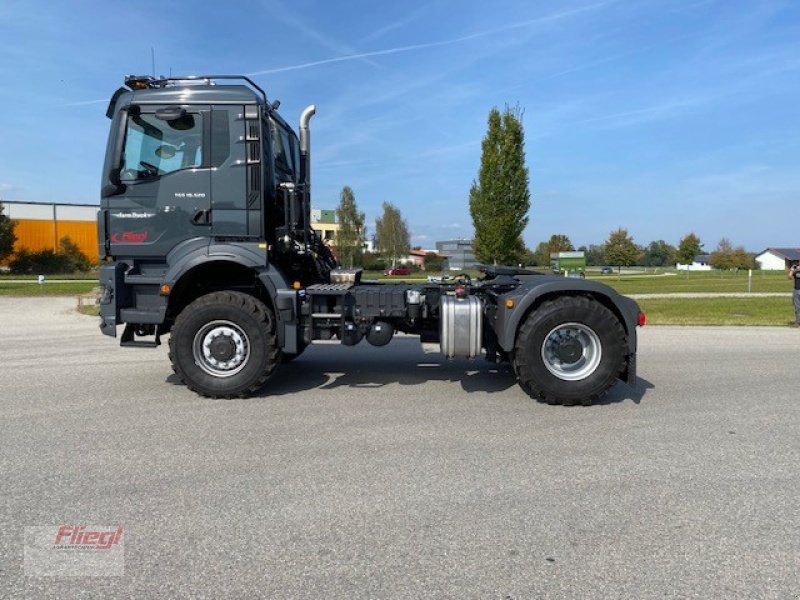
[364, 473]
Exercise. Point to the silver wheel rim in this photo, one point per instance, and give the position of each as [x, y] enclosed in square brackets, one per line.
[583, 365]
[224, 331]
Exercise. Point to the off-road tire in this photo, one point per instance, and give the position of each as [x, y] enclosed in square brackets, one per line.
[535, 378]
[253, 317]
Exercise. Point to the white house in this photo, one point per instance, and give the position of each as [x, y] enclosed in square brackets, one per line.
[700, 263]
[777, 259]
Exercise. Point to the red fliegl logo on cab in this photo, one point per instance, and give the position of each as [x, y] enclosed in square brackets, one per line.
[76, 536]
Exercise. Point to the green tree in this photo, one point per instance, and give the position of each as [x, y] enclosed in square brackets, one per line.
[350, 237]
[620, 250]
[541, 256]
[499, 200]
[742, 259]
[726, 257]
[722, 256]
[594, 253]
[77, 260]
[558, 242]
[528, 257]
[391, 233]
[433, 261]
[689, 247]
[7, 236]
[659, 254]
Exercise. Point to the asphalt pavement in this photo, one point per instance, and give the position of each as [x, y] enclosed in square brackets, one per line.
[392, 473]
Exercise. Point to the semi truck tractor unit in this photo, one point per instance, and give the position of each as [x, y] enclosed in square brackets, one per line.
[205, 231]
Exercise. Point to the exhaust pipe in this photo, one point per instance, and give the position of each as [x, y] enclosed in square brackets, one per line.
[305, 143]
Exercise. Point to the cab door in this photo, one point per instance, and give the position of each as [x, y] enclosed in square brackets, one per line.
[166, 174]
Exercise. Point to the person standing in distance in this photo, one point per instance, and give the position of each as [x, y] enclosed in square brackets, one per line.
[794, 273]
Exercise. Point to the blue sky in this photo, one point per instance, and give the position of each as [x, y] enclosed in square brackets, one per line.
[658, 116]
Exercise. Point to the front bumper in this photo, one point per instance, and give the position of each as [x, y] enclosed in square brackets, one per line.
[112, 284]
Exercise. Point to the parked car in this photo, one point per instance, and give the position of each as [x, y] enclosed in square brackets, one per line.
[398, 271]
[606, 270]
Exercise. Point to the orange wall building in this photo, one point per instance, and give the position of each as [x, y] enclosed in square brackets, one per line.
[40, 226]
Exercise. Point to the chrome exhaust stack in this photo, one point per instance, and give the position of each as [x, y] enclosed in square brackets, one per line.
[305, 144]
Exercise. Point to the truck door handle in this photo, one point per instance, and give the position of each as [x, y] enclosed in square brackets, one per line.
[202, 217]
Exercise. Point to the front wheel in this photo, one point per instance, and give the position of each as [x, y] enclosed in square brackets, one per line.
[223, 345]
[569, 350]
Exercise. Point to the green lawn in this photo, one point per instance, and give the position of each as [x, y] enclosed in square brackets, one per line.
[88, 275]
[47, 289]
[718, 311]
[660, 311]
[668, 282]
[763, 281]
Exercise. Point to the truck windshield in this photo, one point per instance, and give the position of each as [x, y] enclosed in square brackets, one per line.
[154, 147]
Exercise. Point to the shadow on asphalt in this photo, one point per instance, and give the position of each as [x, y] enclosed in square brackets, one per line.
[331, 366]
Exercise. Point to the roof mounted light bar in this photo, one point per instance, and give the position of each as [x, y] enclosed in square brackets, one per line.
[142, 82]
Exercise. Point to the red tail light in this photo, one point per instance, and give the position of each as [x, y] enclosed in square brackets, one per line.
[642, 319]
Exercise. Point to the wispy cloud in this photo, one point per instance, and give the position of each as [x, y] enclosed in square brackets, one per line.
[618, 56]
[85, 102]
[398, 24]
[278, 10]
[649, 113]
[440, 43]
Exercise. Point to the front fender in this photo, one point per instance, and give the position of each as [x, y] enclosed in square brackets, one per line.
[532, 292]
[184, 257]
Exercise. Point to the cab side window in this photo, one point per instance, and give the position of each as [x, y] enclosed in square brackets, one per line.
[154, 147]
[282, 151]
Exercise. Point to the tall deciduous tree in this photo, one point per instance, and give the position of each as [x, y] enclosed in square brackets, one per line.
[391, 233]
[722, 256]
[620, 250]
[7, 236]
[558, 242]
[351, 234]
[725, 257]
[742, 259]
[594, 253]
[689, 247]
[659, 254]
[499, 200]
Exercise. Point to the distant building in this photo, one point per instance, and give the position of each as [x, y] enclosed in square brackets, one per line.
[41, 225]
[323, 221]
[701, 262]
[459, 254]
[777, 259]
[416, 257]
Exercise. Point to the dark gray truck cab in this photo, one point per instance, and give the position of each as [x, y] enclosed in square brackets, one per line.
[205, 227]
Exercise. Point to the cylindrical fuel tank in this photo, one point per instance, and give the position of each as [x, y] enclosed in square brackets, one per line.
[461, 326]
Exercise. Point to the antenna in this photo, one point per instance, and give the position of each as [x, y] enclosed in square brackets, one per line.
[153, 60]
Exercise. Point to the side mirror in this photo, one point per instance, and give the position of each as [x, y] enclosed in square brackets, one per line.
[166, 151]
[114, 185]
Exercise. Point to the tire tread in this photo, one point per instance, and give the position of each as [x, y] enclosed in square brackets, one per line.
[248, 304]
[521, 367]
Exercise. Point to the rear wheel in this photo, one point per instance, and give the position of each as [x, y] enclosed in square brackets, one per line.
[223, 345]
[569, 350]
